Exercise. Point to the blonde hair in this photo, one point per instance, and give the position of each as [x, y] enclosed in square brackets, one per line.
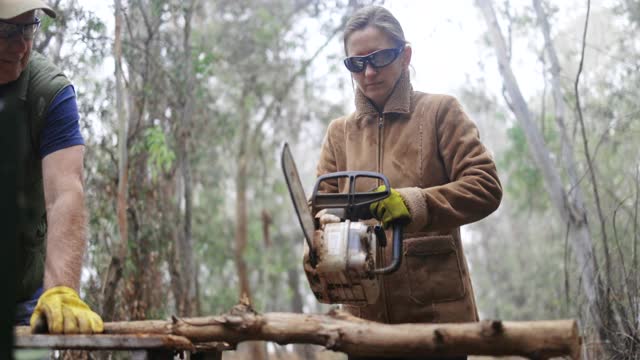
[378, 17]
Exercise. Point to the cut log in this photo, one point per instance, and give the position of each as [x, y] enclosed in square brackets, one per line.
[342, 332]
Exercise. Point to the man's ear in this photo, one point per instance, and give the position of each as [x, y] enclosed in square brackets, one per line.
[406, 56]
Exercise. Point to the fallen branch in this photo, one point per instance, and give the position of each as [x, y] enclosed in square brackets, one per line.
[342, 332]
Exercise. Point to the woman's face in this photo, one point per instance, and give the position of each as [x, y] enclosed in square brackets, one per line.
[376, 84]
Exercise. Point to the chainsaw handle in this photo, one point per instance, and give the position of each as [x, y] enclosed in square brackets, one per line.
[351, 201]
[396, 257]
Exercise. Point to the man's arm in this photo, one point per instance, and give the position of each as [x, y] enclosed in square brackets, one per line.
[62, 173]
[60, 309]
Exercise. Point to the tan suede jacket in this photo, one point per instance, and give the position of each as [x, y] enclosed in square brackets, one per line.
[431, 153]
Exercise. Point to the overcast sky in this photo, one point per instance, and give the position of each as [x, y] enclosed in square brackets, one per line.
[446, 37]
[443, 35]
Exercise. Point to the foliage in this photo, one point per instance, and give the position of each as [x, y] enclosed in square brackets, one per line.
[161, 157]
[525, 182]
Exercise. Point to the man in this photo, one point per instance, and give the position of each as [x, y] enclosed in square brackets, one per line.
[37, 96]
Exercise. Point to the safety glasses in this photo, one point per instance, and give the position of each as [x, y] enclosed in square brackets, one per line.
[27, 31]
[376, 59]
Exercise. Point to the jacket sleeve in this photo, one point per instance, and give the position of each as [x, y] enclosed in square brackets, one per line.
[474, 190]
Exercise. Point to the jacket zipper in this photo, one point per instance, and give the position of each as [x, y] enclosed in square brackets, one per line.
[380, 140]
[382, 251]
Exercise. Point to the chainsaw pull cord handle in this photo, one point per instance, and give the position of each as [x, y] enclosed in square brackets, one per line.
[396, 257]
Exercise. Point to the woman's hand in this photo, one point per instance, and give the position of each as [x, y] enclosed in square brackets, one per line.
[391, 210]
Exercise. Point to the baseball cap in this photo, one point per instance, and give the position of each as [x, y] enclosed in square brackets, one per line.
[12, 8]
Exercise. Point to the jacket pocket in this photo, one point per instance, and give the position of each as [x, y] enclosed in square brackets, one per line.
[433, 269]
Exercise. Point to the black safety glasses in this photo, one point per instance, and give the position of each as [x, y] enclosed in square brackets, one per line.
[27, 31]
[376, 59]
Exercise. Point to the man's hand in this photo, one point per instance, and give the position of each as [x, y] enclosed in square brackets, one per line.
[390, 210]
[65, 313]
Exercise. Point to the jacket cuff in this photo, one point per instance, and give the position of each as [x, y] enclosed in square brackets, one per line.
[417, 206]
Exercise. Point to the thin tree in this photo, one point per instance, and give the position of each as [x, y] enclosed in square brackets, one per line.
[114, 272]
[184, 246]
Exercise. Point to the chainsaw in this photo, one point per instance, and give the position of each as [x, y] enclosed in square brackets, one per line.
[343, 266]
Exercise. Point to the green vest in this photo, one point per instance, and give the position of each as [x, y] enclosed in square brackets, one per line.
[26, 101]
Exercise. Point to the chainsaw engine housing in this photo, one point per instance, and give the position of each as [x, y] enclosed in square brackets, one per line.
[346, 253]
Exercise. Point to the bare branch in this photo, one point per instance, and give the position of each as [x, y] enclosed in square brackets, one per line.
[585, 142]
[280, 96]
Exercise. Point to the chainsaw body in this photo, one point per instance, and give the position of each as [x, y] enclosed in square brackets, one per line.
[341, 261]
[345, 258]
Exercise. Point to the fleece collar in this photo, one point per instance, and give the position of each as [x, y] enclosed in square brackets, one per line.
[399, 101]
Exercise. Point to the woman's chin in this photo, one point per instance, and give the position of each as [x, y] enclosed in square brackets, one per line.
[377, 97]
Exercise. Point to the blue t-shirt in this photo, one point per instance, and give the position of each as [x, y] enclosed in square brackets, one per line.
[62, 127]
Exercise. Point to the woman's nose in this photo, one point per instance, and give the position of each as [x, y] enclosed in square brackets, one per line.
[370, 71]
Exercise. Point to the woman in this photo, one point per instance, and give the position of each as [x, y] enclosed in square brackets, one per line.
[441, 175]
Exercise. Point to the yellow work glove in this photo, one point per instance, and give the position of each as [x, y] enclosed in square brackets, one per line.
[65, 313]
[391, 209]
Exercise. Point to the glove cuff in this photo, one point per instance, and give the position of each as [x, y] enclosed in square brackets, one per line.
[417, 206]
[60, 290]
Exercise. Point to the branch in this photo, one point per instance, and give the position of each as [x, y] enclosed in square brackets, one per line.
[292, 79]
[634, 252]
[343, 332]
[559, 105]
[585, 143]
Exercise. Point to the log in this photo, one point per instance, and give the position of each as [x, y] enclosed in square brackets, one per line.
[343, 332]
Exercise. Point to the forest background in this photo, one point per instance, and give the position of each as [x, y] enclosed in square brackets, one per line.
[185, 105]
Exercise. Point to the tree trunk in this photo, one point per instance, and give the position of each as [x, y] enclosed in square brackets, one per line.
[114, 272]
[241, 226]
[304, 351]
[184, 250]
[256, 350]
